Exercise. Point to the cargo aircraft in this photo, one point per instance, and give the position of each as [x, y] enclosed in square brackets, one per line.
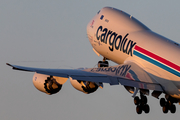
[146, 61]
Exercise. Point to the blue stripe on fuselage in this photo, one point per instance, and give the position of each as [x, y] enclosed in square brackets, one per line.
[156, 63]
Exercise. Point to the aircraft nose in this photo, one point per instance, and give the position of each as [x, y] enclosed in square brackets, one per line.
[90, 26]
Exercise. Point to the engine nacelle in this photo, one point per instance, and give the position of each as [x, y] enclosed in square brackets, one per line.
[48, 84]
[85, 87]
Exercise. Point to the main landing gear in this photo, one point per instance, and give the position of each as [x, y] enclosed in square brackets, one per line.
[168, 104]
[141, 104]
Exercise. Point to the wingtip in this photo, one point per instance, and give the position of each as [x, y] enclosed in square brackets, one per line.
[8, 64]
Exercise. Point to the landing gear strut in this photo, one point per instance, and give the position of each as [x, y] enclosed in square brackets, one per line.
[141, 104]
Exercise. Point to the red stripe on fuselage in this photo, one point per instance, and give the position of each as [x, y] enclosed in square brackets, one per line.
[160, 59]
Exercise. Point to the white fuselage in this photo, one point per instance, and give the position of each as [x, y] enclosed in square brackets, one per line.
[121, 38]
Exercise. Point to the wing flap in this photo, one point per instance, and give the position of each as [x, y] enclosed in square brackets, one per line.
[141, 85]
[104, 79]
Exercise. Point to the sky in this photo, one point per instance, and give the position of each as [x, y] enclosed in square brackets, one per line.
[52, 34]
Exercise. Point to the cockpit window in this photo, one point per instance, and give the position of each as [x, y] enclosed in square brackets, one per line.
[102, 16]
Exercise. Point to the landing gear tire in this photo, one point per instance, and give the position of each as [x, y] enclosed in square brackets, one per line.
[138, 109]
[103, 64]
[100, 64]
[165, 109]
[162, 102]
[173, 108]
[136, 100]
[146, 108]
[144, 100]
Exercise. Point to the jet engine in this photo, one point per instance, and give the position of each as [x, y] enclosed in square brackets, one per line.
[48, 84]
[85, 86]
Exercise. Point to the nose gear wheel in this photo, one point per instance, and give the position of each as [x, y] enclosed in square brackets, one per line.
[103, 64]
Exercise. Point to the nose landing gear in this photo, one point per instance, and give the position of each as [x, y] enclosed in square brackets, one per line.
[103, 63]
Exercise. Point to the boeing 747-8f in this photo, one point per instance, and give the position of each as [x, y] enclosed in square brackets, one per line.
[146, 61]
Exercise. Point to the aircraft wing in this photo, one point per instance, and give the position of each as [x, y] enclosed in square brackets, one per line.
[129, 74]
